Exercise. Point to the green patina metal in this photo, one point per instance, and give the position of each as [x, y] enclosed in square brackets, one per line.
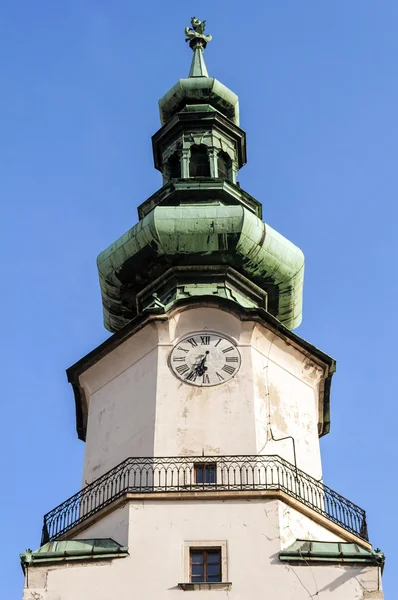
[72, 550]
[307, 550]
[208, 191]
[201, 90]
[200, 235]
[199, 119]
[179, 283]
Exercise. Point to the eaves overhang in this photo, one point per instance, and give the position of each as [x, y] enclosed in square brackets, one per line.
[200, 235]
[199, 191]
[331, 552]
[73, 550]
[245, 314]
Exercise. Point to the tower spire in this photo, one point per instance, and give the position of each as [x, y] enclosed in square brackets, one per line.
[198, 42]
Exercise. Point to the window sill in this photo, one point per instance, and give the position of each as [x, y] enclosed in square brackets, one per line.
[206, 585]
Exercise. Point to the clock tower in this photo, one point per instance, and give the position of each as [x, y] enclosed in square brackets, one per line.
[202, 413]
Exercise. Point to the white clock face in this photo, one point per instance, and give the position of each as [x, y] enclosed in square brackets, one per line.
[205, 359]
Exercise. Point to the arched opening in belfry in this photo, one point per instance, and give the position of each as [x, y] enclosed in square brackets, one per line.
[199, 165]
[224, 166]
[174, 166]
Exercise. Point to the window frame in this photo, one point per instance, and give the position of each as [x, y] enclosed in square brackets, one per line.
[205, 563]
[206, 469]
[207, 545]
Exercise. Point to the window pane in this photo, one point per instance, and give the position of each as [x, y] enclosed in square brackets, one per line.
[197, 557]
[213, 578]
[210, 474]
[199, 164]
[199, 475]
[213, 569]
[197, 571]
[213, 556]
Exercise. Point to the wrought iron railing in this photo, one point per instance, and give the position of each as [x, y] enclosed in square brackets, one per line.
[203, 474]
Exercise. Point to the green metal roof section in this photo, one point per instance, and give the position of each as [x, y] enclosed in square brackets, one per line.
[307, 550]
[208, 190]
[199, 90]
[202, 235]
[198, 65]
[69, 550]
[199, 87]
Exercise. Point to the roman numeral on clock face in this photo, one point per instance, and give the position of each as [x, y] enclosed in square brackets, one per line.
[228, 369]
[181, 369]
[228, 349]
[205, 340]
[191, 376]
[183, 349]
[179, 358]
[193, 342]
[231, 359]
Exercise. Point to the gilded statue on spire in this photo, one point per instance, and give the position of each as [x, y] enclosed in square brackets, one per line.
[197, 31]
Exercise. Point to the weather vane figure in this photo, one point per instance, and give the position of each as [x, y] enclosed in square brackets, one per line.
[196, 33]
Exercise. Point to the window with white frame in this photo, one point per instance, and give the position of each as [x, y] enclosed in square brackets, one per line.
[205, 561]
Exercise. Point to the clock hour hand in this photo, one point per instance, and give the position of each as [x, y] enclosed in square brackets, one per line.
[201, 368]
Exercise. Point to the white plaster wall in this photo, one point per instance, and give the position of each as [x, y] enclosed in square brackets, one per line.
[121, 420]
[295, 526]
[286, 401]
[157, 532]
[137, 407]
[217, 420]
[114, 525]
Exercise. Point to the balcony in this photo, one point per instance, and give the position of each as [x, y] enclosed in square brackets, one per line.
[221, 474]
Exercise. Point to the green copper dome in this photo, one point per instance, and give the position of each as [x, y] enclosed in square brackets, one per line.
[200, 235]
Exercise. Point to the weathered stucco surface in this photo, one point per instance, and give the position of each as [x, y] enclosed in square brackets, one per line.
[137, 407]
[251, 532]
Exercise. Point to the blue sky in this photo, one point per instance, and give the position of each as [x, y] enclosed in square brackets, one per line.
[318, 90]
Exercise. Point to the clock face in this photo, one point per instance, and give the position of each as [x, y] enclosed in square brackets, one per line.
[205, 359]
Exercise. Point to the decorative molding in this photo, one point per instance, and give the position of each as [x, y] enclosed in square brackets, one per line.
[222, 497]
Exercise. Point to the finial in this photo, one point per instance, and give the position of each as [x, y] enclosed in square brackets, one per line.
[197, 39]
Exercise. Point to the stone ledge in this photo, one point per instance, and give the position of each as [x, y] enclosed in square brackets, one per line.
[206, 585]
[215, 495]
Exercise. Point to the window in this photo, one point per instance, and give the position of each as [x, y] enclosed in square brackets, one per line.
[205, 565]
[199, 164]
[174, 164]
[205, 473]
[224, 165]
